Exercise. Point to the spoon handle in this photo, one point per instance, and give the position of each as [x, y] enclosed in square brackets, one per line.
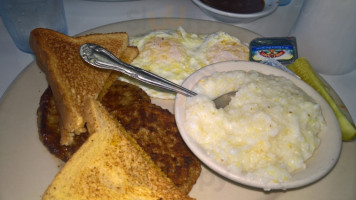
[102, 58]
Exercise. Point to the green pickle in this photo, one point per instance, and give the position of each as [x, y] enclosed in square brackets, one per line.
[304, 70]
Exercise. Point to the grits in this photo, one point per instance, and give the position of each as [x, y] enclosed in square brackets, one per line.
[267, 132]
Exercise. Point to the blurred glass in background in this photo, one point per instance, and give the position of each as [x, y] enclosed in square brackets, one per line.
[22, 16]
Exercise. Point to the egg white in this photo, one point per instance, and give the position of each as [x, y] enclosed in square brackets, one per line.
[174, 55]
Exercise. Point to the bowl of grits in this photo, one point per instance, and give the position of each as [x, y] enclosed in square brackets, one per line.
[277, 132]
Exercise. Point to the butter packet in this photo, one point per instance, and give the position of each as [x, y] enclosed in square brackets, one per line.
[283, 49]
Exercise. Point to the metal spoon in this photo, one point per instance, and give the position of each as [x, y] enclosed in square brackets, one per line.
[224, 100]
[99, 57]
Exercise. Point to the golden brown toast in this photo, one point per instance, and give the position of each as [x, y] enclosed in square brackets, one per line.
[72, 79]
[110, 165]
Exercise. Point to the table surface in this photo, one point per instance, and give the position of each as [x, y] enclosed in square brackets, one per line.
[83, 15]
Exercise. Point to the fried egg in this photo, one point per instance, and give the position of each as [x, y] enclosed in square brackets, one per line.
[175, 54]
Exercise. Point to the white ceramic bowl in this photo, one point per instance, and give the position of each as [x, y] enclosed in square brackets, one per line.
[270, 6]
[323, 159]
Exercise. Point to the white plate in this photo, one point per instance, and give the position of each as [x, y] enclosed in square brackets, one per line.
[26, 167]
[323, 159]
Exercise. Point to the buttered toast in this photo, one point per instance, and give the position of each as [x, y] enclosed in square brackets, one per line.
[110, 165]
[71, 79]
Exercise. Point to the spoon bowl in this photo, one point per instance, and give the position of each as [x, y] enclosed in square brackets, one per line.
[223, 100]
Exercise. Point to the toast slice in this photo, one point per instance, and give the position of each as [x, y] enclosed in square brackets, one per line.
[110, 165]
[72, 79]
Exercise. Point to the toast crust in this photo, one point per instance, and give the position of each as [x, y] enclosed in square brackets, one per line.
[71, 79]
[110, 165]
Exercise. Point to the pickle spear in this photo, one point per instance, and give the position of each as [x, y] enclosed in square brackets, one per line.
[304, 70]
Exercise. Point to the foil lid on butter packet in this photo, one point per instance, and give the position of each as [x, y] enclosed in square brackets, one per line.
[282, 49]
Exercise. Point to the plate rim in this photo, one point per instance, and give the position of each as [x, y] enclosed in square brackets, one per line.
[175, 19]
